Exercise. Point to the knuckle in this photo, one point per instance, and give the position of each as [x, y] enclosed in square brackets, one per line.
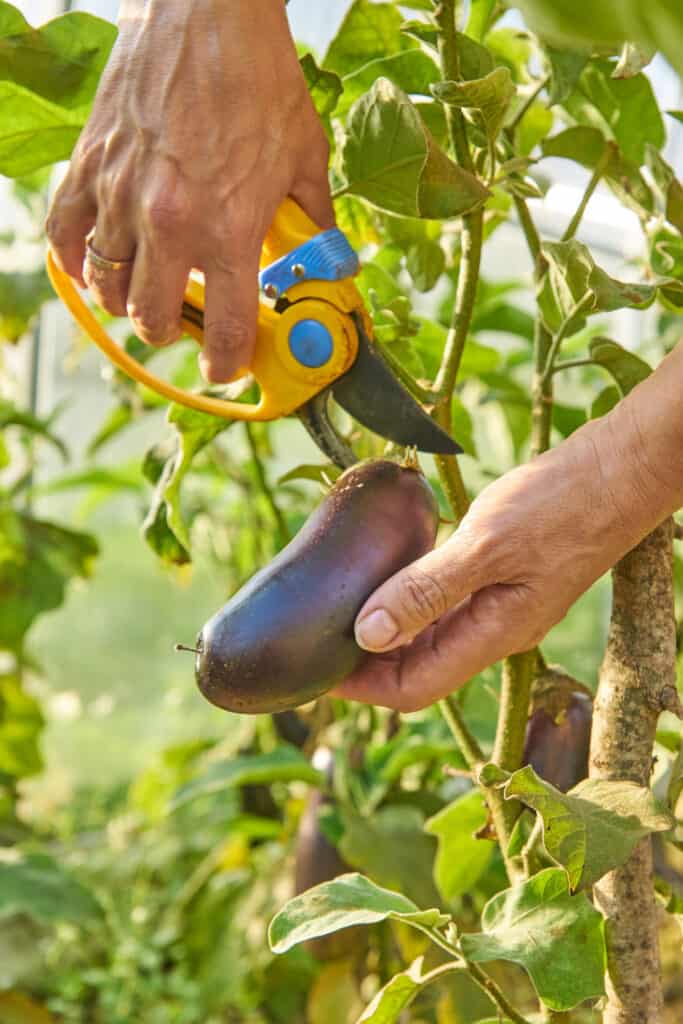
[421, 596]
[164, 213]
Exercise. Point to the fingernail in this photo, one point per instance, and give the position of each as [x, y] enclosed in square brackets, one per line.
[376, 630]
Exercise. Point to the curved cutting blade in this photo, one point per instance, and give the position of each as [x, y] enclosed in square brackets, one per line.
[370, 393]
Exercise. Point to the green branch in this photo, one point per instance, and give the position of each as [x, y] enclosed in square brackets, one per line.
[599, 171]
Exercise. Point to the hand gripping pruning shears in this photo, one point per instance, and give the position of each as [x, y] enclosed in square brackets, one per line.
[313, 340]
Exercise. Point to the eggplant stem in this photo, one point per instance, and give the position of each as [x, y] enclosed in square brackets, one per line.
[182, 647]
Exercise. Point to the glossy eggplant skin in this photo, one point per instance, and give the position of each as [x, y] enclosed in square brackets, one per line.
[287, 636]
[558, 733]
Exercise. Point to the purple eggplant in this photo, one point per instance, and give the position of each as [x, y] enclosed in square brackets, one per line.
[287, 636]
[559, 729]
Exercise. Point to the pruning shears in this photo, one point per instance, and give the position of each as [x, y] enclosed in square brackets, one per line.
[314, 339]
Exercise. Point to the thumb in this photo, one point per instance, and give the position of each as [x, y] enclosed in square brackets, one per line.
[421, 593]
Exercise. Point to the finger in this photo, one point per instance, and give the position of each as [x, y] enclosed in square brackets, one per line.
[483, 629]
[314, 198]
[230, 317]
[71, 216]
[421, 593]
[155, 296]
[109, 285]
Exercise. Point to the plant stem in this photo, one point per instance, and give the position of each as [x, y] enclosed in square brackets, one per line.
[265, 487]
[562, 332]
[638, 668]
[538, 88]
[569, 364]
[469, 748]
[600, 168]
[444, 15]
[489, 986]
[519, 671]
[528, 227]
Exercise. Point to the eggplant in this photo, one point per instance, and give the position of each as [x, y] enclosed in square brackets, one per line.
[287, 637]
[558, 732]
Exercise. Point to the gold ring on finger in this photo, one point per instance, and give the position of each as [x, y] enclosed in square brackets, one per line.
[97, 260]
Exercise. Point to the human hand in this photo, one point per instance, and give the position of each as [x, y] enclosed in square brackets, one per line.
[202, 124]
[529, 546]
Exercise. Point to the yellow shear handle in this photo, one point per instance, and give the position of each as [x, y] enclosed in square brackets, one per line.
[285, 384]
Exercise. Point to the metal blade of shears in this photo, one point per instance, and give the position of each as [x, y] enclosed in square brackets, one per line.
[370, 392]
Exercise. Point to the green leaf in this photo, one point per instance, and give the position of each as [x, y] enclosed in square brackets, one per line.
[391, 847]
[10, 416]
[164, 527]
[425, 262]
[283, 764]
[666, 259]
[461, 858]
[395, 997]
[533, 128]
[605, 402]
[342, 903]
[626, 368]
[37, 560]
[37, 885]
[389, 158]
[33, 131]
[412, 71]
[669, 187]
[491, 96]
[592, 829]
[572, 286]
[324, 86]
[324, 474]
[567, 418]
[479, 18]
[557, 937]
[22, 293]
[626, 108]
[62, 61]
[566, 67]
[368, 32]
[589, 147]
[21, 723]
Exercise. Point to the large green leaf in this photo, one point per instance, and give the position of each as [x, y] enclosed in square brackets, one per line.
[573, 286]
[557, 937]
[37, 885]
[370, 31]
[389, 158]
[61, 61]
[342, 903]
[22, 293]
[666, 259]
[592, 829]
[625, 108]
[37, 560]
[283, 764]
[566, 66]
[34, 131]
[461, 859]
[411, 70]
[490, 96]
[669, 187]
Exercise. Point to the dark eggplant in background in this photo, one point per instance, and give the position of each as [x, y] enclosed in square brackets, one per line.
[559, 729]
[287, 636]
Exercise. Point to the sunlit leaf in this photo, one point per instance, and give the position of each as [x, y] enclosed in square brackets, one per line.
[324, 86]
[395, 997]
[21, 723]
[592, 829]
[490, 96]
[461, 859]
[626, 367]
[34, 131]
[342, 903]
[61, 61]
[389, 158]
[557, 937]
